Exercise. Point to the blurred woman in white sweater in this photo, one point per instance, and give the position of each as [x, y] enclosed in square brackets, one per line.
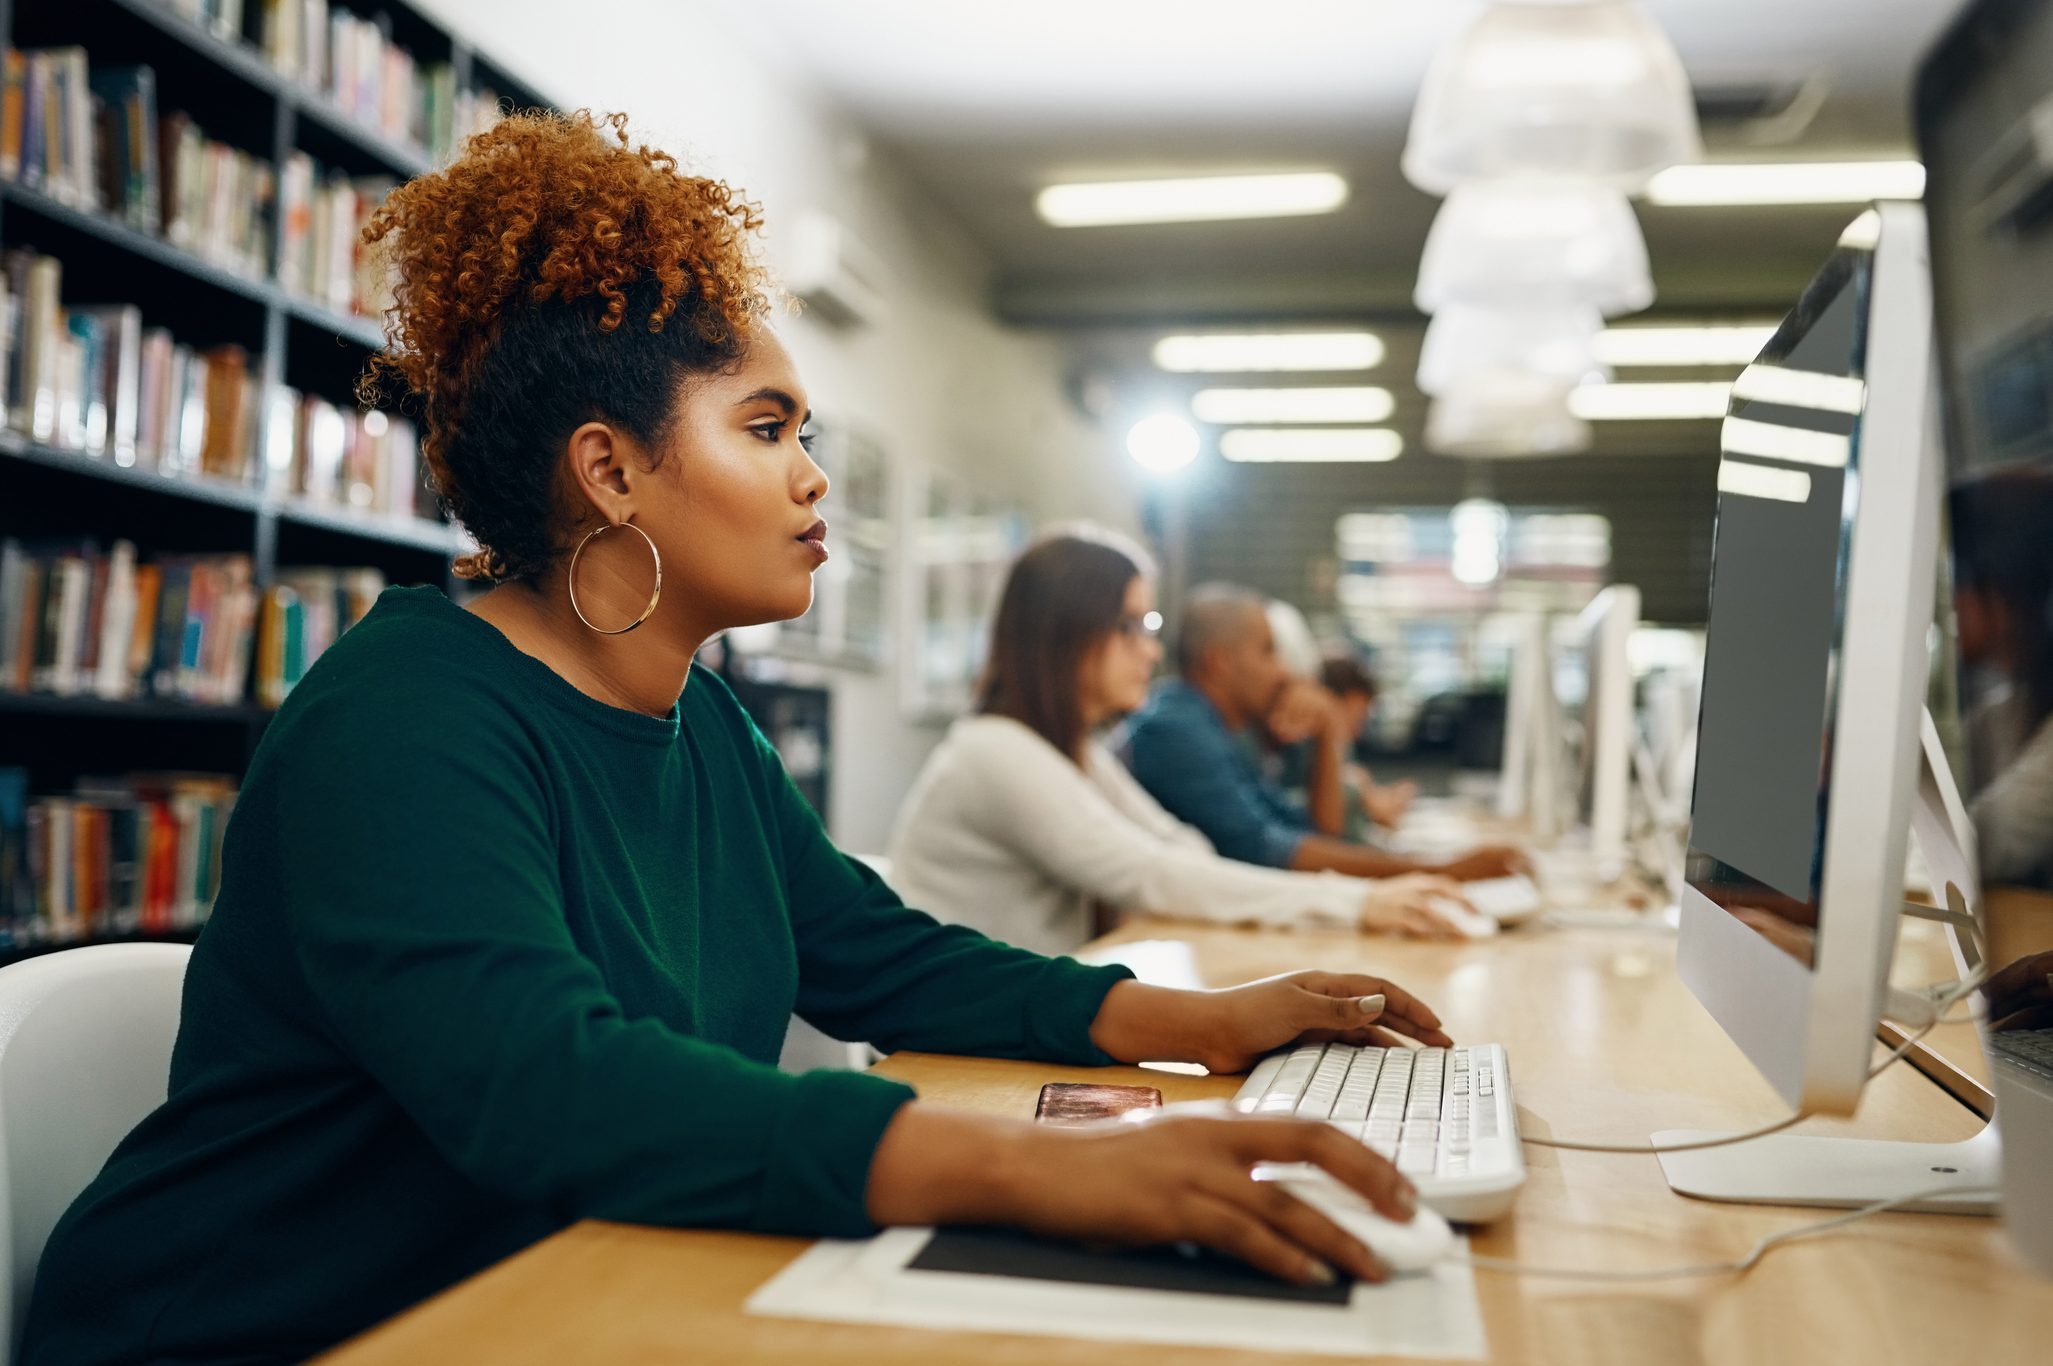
[1022, 818]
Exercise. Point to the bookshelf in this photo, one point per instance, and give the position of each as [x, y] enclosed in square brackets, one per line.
[210, 62]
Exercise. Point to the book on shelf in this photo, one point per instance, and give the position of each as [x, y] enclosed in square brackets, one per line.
[222, 18]
[98, 381]
[76, 621]
[345, 458]
[93, 138]
[320, 252]
[303, 613]
[114, 856]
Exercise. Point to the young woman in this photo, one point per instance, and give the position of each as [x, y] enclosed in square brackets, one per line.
[516, 903]
[1022, 818]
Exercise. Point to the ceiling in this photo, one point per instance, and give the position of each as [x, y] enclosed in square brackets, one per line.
[984, 104]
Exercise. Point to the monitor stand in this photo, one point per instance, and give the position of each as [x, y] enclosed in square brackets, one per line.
[1794, 1169]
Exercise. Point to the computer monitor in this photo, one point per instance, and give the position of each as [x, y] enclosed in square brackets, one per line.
[1985, 132]
[1808, 753]
[1531, 787]
[1602, 770]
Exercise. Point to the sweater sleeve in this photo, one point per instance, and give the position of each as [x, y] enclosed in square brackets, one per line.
[1071, 826]
[872, 968]
[425, 907]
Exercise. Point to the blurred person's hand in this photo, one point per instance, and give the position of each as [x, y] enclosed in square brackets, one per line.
[1386, 806]
[1492, 860]
[2021, 995]
[1411, 907]
[1301, 711]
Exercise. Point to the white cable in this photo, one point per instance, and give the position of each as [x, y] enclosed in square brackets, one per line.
[1942, 1005]
[1745, 1263]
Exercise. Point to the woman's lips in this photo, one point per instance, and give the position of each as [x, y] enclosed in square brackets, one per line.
[815, 540]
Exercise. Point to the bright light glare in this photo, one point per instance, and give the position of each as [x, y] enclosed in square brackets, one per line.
[1206, 199]
[1227, 407]
[1787, 182]
[1264, 445]
[1649, 402]
[1710, 344]
[1268, 352]
[1163, 442]
[1801, 389]
[1744, 436]
[1152, 622]
[1760, 481]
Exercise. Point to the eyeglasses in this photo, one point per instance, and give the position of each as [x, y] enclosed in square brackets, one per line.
[1140, 628]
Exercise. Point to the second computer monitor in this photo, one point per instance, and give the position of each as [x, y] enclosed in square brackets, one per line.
[1602, 770]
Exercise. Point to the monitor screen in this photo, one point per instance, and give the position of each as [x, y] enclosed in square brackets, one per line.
[1787, 483]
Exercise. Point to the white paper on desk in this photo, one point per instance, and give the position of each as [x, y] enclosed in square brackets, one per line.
[1433, 1314]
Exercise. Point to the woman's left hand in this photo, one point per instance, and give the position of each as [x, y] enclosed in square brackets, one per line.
[1227, 1030]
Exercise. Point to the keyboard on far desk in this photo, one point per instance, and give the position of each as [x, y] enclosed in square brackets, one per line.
[1444, 1116]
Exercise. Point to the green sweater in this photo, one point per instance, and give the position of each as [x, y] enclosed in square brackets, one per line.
[490, 957]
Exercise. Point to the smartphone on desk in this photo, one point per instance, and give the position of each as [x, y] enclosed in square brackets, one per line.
[1067, 1102]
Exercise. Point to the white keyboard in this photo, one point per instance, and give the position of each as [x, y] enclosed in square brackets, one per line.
[1444, 1116]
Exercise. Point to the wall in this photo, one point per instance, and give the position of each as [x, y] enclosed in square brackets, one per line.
[936, 380]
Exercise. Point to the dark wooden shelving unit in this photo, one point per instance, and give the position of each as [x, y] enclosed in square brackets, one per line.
[48, 493]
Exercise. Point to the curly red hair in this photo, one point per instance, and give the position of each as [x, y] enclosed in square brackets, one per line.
[515, 269]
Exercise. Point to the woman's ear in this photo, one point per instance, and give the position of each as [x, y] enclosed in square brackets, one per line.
[602, 470]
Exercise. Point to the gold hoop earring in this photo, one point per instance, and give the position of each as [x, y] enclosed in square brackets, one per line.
[654, 593]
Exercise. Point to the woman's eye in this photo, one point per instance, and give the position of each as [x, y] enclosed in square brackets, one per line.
[806, 440]
[771, 432]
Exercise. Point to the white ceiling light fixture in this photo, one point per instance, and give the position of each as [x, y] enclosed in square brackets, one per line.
[1535, 242]
[1203, 199]
[1592, 92]
[1332, 445]
[1466, 344]
[1683, 345]
[1163, 442]
[1688, 401]
[1718, 184]
[1268, 352]
[1507, 417]
[1234, 407]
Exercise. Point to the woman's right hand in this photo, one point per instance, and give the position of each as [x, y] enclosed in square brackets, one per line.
[1410, 906]
[1181, 1174]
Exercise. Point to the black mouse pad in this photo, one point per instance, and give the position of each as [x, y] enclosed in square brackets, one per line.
[1007, 1252]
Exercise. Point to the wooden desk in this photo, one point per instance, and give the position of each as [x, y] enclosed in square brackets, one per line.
[1604, 1042]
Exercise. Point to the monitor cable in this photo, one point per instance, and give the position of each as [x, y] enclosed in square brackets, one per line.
[1746, 1263]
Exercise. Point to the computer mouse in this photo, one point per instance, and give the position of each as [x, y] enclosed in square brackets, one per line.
[1472, 924]
[1412, 1246]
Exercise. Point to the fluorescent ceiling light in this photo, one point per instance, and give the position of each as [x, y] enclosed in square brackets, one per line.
[1800, 389]
[1269, 352]
[1704, 344]
[1106, 203]
[1648, 402]
[1773, 441]
[1334, 444]
[1229, 407]
[1762, 481]
[1787, 182]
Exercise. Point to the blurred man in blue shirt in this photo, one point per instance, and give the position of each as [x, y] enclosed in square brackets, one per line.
[1187, 748]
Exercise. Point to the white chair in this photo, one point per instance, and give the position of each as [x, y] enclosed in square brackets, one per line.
[85, 1053]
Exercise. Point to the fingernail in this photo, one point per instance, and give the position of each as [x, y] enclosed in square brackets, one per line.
[1408, 1200]
[1318, 1273]
[1371, 1005]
